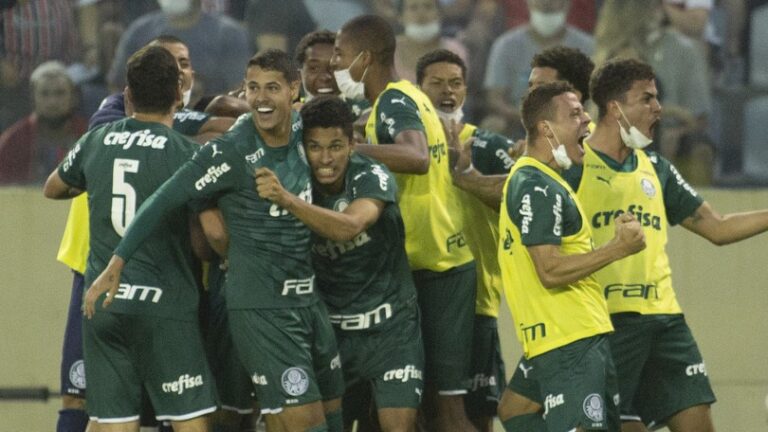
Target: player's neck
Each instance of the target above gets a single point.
(166, 119)
(277, 136)
(607, 140)
(542, 152)
(379, 80)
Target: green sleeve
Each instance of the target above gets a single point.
(533, 205)
(376, 182)
(680, 199)
(71, 167)
(211, 170)
(396, 113)
(188, 122)
(490, 153)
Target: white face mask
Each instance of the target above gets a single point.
(175, 7)
(350, 89)
(423, 32)
(560, 154)
(633, 139)
(456, 116)
(547, 24)
(186, 96)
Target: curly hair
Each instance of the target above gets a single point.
(571, 65)
(614, 79)
(327, 111)
(312, 39)
(537, 105)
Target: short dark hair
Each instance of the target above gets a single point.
(275, 60)
(153, 78)
(439, 55)
(328, 111)
(571, 65)
(537, 105)
(166, 39)
(614, 79)
(312, 39)
(373, 33)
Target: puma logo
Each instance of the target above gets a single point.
(603, 179)
(524, 369)
(540, 189)
(215, 151)
(400, 101)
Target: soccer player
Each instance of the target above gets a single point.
(73, 250)
(150, 336)
(313, 56)
(546, 258)
(661, 372)
(441, 75)
(358, 253)
(280, 328)
(406, 135)
(553, 64)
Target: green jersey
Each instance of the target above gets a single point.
(365, 281)
(189, 122)
(269, 258)
(490, 152)
(121, 165)
(541, 208)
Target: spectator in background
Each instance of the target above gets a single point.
(273, 25)
(583, 14)
(689, 17)
(31, 32)
(421, 34)
(332, 14)
(32, 147)
(219, 43)
(633, 29)
(506, 76)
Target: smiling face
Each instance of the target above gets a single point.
(269, 94)
(444, 84)
(317, 72)
(641, 107)
(181, 53)
(570, 126)
(328, 151)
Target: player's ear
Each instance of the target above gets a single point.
(295, 86)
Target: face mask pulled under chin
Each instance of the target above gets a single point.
(175, 7)
(350, 89)
(547, 24)
(422, 32)
(456, 116)
(633, 138)
(560, 154)
(186, 96)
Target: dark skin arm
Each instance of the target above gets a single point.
(409, 154)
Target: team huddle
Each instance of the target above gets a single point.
(353, 268)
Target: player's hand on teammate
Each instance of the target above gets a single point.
(107, 282)
(268, 187)
(629, 234)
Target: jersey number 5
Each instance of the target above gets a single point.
(123, 195)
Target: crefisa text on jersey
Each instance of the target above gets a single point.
(142, 138)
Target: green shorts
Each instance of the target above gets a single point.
(660, 368)
(125, 353)
(575, 384)
(290, 355)
(447, 304)
(390, 358)
(232, 380)
(487, 369)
